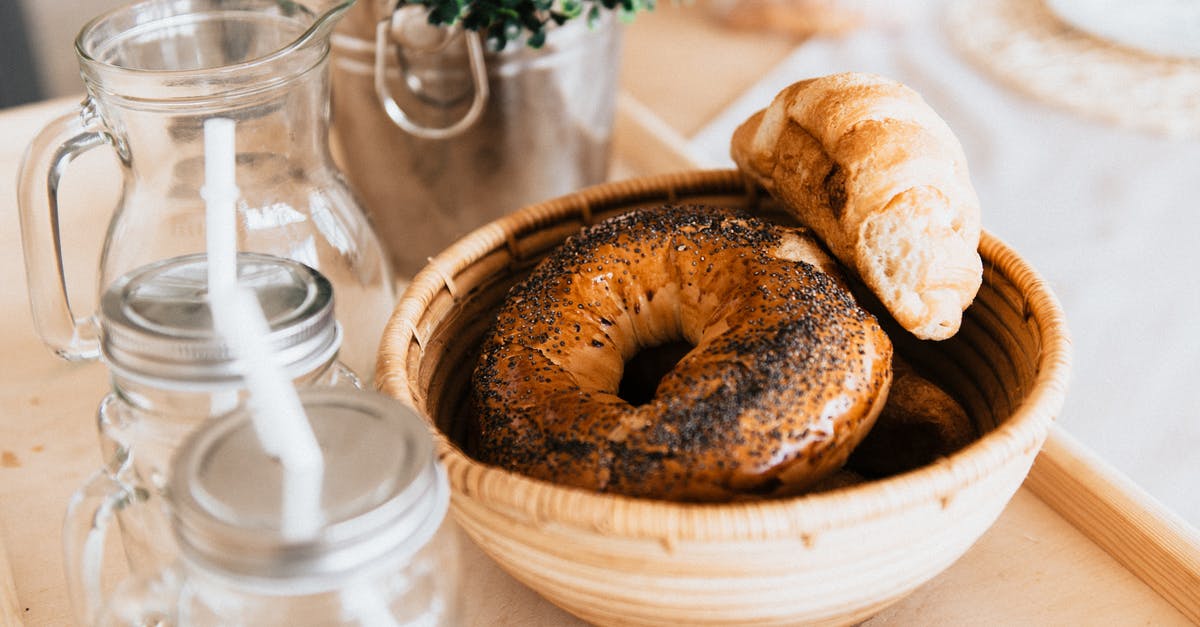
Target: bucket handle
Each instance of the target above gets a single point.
(397, 114)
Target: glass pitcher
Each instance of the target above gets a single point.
(154, 72)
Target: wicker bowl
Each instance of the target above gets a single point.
(832, 558)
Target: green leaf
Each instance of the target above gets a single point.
(571, 8)
(502, 21)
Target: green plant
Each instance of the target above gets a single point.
(508, 20)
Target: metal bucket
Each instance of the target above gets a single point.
(539, 126)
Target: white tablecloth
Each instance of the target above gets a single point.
(1110, 217)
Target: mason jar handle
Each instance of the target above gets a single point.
(396, 112)
(85, 531)
(72, 336)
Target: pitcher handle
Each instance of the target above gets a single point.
(396, 112)
(85, 530)
(46, 159)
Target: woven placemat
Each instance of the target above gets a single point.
(1026, 45)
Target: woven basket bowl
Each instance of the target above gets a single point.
(832, 558)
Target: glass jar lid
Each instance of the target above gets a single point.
(156, 323)
(382, 497)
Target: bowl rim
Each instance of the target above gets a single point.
(1020, 435)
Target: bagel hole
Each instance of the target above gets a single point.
(645, 370)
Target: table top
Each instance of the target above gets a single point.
(47, 406)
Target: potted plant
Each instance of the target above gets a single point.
(450, 113)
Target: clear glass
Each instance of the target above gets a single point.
(400, 590)
(154, 72)
(141, 425)
(382, 552)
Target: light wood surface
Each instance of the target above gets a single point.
(47, 406)
(1035, 566)
(10, 610)
(686, 68)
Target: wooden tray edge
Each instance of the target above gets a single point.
(1145, 537)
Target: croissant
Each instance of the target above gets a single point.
(881, 179)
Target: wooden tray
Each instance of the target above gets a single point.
(1078, 544)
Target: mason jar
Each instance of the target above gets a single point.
(171, 372)
(382, 553)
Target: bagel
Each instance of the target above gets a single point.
(783, 373)
(881, 179)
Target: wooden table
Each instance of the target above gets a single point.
(1077, 545)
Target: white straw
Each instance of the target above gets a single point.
(279, 420)
(220, 194)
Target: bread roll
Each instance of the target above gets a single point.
(882, 180)
(919, 423)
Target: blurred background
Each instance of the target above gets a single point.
(37, 58)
